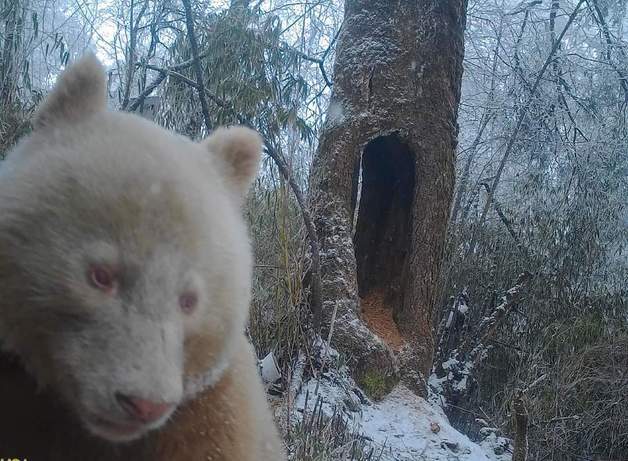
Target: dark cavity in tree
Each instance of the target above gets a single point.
(382, 234)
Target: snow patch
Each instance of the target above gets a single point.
(335, 113)
(402, 427)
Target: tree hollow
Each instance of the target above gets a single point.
(383, 193)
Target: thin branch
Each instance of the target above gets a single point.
(315, 264)
(601, 22)
(505, 221)
(320, 61)
(171, 72)
(489, 324)
(523, 113)
(189, 20)
(163, 73)
(130, 70)
(147, 92)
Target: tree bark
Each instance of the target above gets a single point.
(392, 120)
(8, 64)
(520, 415)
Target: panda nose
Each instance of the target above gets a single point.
(146, 411)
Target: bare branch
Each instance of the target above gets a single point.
(130, 64)
(189, 19)
(315, 269)
(147, 92)
(523, 113)
(601, 22)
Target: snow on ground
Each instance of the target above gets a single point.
(405, 426)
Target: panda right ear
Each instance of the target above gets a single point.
(239, 150)
(80, 91)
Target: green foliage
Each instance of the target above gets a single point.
(578, 407)
(250, 75)
(278, 310)
(575, 335)
(375, 385)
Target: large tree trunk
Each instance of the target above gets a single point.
(386, 157)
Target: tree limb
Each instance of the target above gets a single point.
(189, 20)
(489, 324)
(134, 24)
(601, 22)
(315, 268)
(147, 91)
(505, 220)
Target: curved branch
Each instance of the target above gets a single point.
(316, 295)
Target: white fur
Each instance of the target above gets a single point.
(90, 186)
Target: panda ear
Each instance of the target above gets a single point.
(239, 151)
(80, 91)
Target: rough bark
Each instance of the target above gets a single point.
(392, 116)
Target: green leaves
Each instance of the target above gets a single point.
(250, 74)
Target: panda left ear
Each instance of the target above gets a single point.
(239, 150)
(78, 93)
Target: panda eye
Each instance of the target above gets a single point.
(103, 278)
(188, 302)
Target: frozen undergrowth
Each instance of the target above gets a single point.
(401, 427)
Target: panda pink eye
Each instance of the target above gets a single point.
(188, 302)
(103, 278)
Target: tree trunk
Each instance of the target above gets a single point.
(9, 64)
(386, 155)
(520, 415)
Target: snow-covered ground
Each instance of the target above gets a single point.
(405, 426)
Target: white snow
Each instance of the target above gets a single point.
(449, 319)
(335, 113)
(402, 426)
